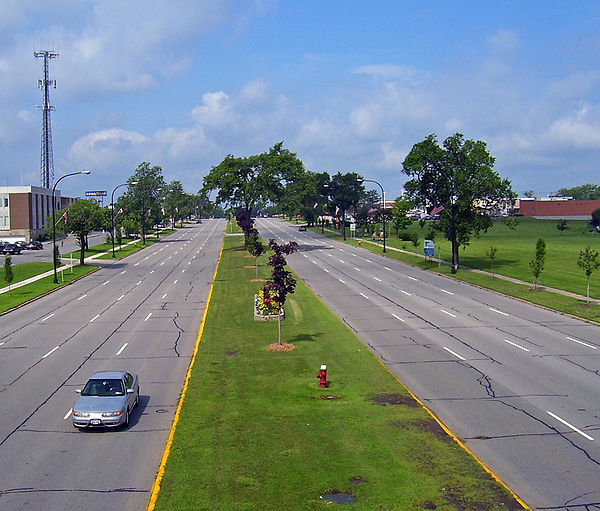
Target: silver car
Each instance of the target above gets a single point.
(106, 400)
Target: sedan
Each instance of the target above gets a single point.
(34, 245)
(106, 400)
(11, 248)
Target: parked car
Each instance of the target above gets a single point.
(11, 248)
(34, 245)
(21, 244)
(106, 400)
(302, 228)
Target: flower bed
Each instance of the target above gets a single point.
(266, 309)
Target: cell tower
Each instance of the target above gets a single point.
(47, 161)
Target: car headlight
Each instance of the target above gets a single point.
(80, 414)
(112, 414)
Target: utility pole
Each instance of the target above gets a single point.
(47, 160)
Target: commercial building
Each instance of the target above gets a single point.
(558, 208)
(25, 209)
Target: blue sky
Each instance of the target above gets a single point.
(347, 85)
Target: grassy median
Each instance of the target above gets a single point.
(257, 433)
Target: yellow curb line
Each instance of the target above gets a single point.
(455, 438)
(165, 456)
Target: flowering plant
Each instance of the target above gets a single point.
(267, 301)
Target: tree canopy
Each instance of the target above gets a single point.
(583, 192)
(458, 177)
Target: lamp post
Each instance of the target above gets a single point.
(382, 203)
(112, 203)
(54, 258)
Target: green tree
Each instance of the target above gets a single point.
(530, 194)
(143, 200)
(399, 210)
(345, 192)
(536, 265)
(459, 177)
(257, 179)
(562, 226)
(595, 221)
(80, 218)
(8, 270)
(492, 255)
(588, 262)
(583, 192)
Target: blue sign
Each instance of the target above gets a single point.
(429, 248)
(96, 193)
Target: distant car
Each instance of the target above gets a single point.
(11, 248)
(21, 244)
(302, 228)
(106, 400)
(34, 245)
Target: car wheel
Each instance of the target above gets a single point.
(137, 399)
(126, 423)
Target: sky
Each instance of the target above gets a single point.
(350, 86)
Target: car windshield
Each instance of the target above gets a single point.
(109, 387)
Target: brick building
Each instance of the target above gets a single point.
(558, 208)
(24, 210)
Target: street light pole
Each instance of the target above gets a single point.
(382, 205)
(54, 258)
(112, 203)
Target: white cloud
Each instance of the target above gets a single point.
(216, 110)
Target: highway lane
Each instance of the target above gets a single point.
(140, 314)
(516, 383)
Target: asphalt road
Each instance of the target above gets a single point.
(140, 314)
(516, 383)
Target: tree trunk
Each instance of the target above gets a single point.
(82, 249)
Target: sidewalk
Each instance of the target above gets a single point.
(58, 270)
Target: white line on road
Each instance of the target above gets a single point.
(326, 270)
(515, 345)
(499, 312)
(389, 269)
(364, 296)
(123, 272)
(136, 264)
(447, 292)
(68, 414)
(341, 281)
(368, 260)
(175, 281)
(1, 343)
(121, 350)
(341, 261)
(105, 283)
(146, 257)
(183, 271)
(407, 294)
(139, 282)
(81, 297)
(569, 425)
(357, 269)
(449, 313)
(151, 272)
(162, 263)
(48, 317)
(411, 278)
(377, 279)
(148, 316)
(94, 318)
(398, 317)
(120, 297)
(51, 351)
(164, 296)
(583, 343)
(453, 353)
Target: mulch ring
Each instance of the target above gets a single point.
(394, 399)
(280, 347)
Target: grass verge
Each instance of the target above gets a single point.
(257, 433)
(20, 295)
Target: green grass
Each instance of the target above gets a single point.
(255, 433)
(20, 295)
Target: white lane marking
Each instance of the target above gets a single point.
(48, 317)
(175, 281)
(353, 255)
(399, 318)
(329, 255)
(164, 296)
(162, 263)
(583, 343)
(183, 271)
(304, 255)
(559, 419)
(81, 297)
(341, 281)
(51, 351)
(407, 294)
(68, 414)
(121, 350)
(148, 316)
(340, 261)
(314, 262)
(123, 272)
(389, 269)
(136, 264)
(515, 345)
(94, 318)
(411, 278)
(447, 292)
(105, 283)
(368, 260)
(357, 269)
(453, 353)
(326, 270)
(364, 296)
(377, 279)
(190, 261)
(120, 297)
(449, 313)
(139, 282)
(499, 312)
(1, 343)
(151, 272)
(341, 249)
(146, 257)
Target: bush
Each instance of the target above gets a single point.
(406, 236)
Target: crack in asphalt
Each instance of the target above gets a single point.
(13, 491)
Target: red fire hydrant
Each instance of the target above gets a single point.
(322, 375)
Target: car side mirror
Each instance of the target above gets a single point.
(130, 391)
(78, 391)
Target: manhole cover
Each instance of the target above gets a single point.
(338, 497)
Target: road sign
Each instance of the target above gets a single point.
(96, 193)
(429, 248)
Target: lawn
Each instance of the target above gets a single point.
(257, 433)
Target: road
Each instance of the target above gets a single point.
(518, 384)
(140, 314)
